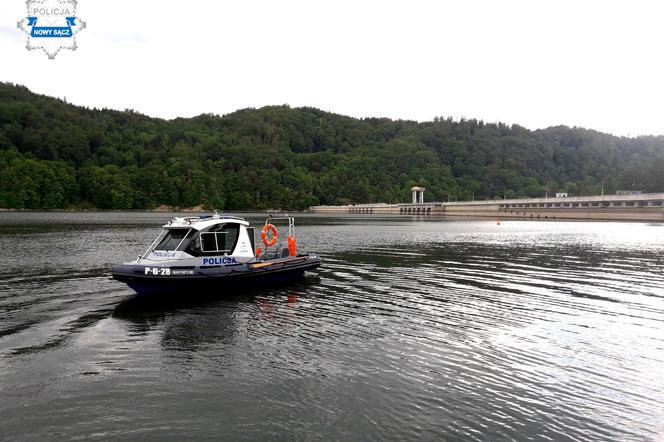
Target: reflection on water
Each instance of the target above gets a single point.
(412, 329)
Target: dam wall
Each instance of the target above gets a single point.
(642, 207)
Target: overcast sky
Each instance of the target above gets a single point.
(596, 64)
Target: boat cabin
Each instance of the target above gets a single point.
(193, 237)
(218, 239)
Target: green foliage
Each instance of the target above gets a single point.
(55, 155)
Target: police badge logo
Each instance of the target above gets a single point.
(51, 25)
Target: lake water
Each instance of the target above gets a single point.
(413, 329)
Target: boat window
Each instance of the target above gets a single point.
(252, 237)
(220, 238)
(172, 239)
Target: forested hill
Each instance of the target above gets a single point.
(56, 155)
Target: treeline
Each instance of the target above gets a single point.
(56, 155)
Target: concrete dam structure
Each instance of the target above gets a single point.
(641, 207)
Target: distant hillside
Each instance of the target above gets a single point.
(56, 155)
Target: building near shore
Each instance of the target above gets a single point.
(418, 194)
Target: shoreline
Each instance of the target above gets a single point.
(494, 218)
(157, 210)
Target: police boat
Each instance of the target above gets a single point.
(214, 252)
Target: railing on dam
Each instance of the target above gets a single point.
(647, 206)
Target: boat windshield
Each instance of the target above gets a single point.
(172, 239)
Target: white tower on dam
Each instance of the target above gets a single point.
(418, 194)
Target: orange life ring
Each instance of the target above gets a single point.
(266, 228)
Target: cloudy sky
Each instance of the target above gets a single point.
(596, 64)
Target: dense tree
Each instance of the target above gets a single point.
(54, 155)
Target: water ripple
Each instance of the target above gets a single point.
(411, 330)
